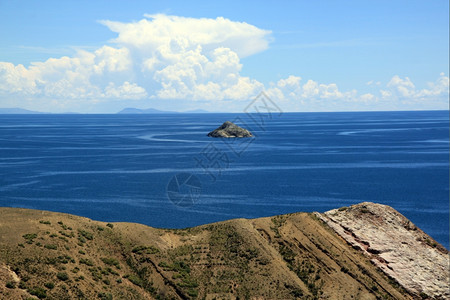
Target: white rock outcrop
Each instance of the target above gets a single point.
(395, 245)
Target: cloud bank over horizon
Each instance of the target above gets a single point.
(195, 63)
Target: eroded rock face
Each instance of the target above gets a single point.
(230, 130)
(395, 245)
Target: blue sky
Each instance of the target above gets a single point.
(307, 55)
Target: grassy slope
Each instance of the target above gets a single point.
(60, 256)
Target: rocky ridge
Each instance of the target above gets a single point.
(366, 251)
(394, 244)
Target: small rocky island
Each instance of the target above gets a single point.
(230, 130)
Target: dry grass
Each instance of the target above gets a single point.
(59, 256)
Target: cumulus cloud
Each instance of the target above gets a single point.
(398, 93)
(292, 91)
(84, 76)
(403, 89)
(164, 57)
(177, 33)
(176, 58)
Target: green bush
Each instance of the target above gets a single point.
(145, 249)
(105, 296)
(110, 225)
(11, 285)
(135, 280)
(49, 285)
(86, 234)
(29, 236)
(111, 262)
(62, 276)
(51, 247)
(38, 292)
(86, 261)
(192, 293)
(22, 285)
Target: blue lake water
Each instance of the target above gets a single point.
(118, 167)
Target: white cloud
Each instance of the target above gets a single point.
(373, 83)
(403, 89)
(125, 91)
(182, 33)
(164, 57)
(84, 76)
(367, 97)
(176, 58)
(399, 93)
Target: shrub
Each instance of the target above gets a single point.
(86, 261)
(192, 293)
(189, 283)
(86, 234)
(45, 222)
(62, 276)
(105, 296)
(135, 280)
(110, 225)
(22, 285)
(145, 249)
(29, 236)
(11, 285)
(51, 247)
(111, 262)
(49, 285)
(38, 292)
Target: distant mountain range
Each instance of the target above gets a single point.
(21, 111)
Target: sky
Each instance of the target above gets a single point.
(102, 56)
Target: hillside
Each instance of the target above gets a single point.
(302, 255)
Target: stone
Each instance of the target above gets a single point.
(230, 130)
(395, 245)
